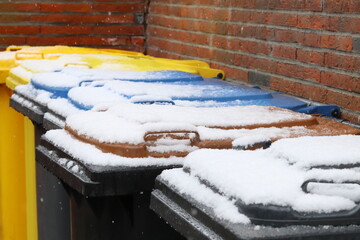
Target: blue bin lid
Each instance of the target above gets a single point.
(61, 81)
(217, 91)
(141, 76)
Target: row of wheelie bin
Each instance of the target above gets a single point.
(106, 125)
(17, 65)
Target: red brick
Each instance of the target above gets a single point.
(179, 48)
(101, 18)
(79, 40)
(178, 35)
(336, 42)
(281, 68)
(297, 71)
(68, 30)
(255, 63)
(283, 19)
(232, 72)
(341, 6)
(310, 56)
(12, 40)
(343, 24)
(345, 62)
(219, 14)
(120, 30)
(305, 5)
(66, 7)
(118, 7)
(19, 7)
(284, 51)
(312, 21)
(221, 42)
(19, 30)
(195, 2)
(309, 39)
(317, 93)
(250, 46)
(345, 100)
(222, 56)
(105, 30)
(351, 116)
(138, 41)
(341, 81)
(14, 18)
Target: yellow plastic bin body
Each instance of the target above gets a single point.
(13, 208)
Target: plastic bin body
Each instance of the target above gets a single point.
(13, 210)
(119, 210)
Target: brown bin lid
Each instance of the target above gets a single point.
(322, 127)
(179, 142)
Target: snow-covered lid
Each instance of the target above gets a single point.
(266, 177)
(113, 130)
(141, 76)
(196, 91)
(108, 128)
(237, 116)
(90, 154)
(54, 81)
(86, 97)
(316, 151)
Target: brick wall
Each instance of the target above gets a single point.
(308, 48)
(95, 23)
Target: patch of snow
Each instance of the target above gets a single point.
(62, 107)
(90, 96)
(209, 117)
(350, 191)
(186, 184)
(55, 120)
(55, 80)
(306, 152)
(21, 73)
(89, 154)
(107, 127)
(246, 136)
(7, 55)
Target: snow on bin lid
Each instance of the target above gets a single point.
(65, 79)
(250, 126)
(223, 117)
(142, 76)
(308, 152)
(54, 81)
(86, 97)
(164, 130)
(262, 177)
(190, 91)
(191, 186)
(89, 154)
